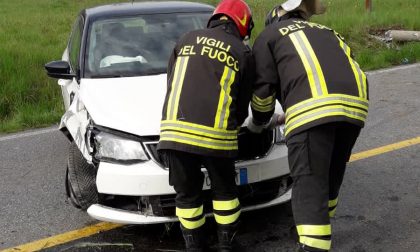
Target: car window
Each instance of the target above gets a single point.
(136, 46)
(75, 44)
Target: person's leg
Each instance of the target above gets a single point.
(346, 136)
(187, 179)
(309, 160)
(226, 206)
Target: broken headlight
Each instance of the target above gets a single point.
(110, 147)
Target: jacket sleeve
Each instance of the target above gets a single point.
(245, 91)
(264, 89)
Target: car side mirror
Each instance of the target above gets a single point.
(59, 70)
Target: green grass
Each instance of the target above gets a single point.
(350, 19)
(34, 32)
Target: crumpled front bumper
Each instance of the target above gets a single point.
(114, 215)
(148, 178)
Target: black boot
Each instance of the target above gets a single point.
(226, 235)
(194, 239)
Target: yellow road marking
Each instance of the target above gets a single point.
(104, 226)
(64, 238)
(385, 149)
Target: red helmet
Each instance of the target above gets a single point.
(239, 12)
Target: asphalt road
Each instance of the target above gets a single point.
(379, 204)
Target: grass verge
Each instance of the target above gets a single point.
(34, 32)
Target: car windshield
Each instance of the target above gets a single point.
(136, 46)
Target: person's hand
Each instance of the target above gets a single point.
(255, 128)
(276, 120)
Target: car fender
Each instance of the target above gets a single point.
(75, 121)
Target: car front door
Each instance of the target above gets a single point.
(72, 55)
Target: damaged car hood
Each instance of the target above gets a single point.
(132, 105)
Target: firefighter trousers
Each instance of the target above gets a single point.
(317, 160)
(186, 177)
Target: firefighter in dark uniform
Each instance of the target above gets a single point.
(210, 76)
(310, 70)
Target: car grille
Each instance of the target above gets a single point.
(251, 194)
(251, 146)
(151, 148)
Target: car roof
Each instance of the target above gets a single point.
(139, 8)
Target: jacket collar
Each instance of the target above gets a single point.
(227, 25)
(293, 14)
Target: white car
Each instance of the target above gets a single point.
(113, 80)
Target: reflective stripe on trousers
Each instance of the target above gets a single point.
(332, 207)
(191, 218)
(315, 236)
(226, 212)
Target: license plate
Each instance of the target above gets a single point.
(241, 177)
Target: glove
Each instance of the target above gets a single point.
(276, 120)
(254, 127)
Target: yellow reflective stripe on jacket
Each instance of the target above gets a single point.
(200, 138)
(225, 99)
(315, 243)
(169, 108)
(229, 219)
(199, 127)
(225, 205)
(192, 224)
(263, 105)
(264, 102)
(263, 109)
(358, 73)
(192, 129)
(199, 141)
(323, 101)
(333, 203)
(189, 213)
(327, 111)
(306, 102)
(314, 230)
(226, 110)
(310, 61)
(176, 88)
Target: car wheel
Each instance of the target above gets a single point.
(80, 180)
(70, 193)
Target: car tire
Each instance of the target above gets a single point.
(80, 180)
(69, 191)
